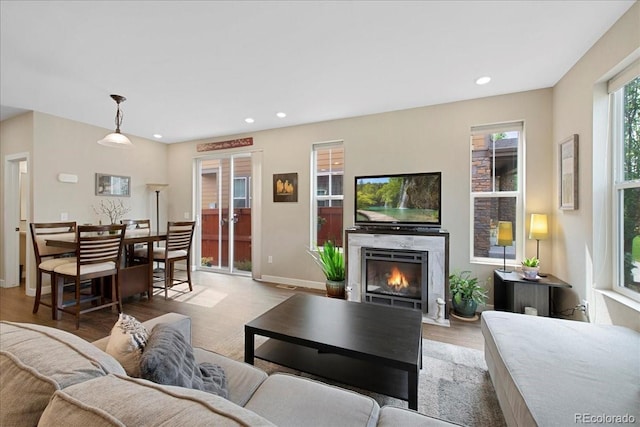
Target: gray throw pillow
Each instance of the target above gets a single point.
(168, 359)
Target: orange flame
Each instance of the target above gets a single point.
(397, 279)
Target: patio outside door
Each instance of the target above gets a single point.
(224, 193)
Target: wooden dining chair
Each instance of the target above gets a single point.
(50, 257)
(98, 249)
(177, 248)
(135, 227)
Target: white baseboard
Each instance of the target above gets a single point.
(293, 282)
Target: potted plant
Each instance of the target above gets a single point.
(331, 259)
(530, 268)
(466, 293)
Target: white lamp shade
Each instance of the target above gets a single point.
(505, 233)
(538, 229)
(116, 140)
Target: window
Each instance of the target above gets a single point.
(625, 127)
(328, 194)
(496, 195)
(241, 192)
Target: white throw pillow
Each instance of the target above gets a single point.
(126, 343)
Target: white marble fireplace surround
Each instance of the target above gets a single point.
(435, 244)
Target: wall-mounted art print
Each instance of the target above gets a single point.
(113, 185)
(568, 176)
(285, 187)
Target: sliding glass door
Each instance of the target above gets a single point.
(224, 196)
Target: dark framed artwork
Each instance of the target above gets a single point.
(285, 187)
(113, 185)
(568, 175)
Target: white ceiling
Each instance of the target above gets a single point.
(197, 69)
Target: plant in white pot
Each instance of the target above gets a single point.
(331, 260)
(530, 268)
(466, 294)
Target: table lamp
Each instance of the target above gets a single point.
(538, 230)
(505, 238)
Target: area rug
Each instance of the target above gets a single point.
(454, 385)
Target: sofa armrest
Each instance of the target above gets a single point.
(179, 321)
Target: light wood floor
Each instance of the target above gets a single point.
(219, 306)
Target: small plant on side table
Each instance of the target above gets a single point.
(530, 268)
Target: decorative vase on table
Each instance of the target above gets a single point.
(530, 273)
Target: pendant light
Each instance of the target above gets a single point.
(116, 139)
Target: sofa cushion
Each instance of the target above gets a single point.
(36, 361)
(126, 343)
(119, 400)
(583, 368)
(242, 379)
(178, 321)
(302, 401)
(168, 359)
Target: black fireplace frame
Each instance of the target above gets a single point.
(396, 255)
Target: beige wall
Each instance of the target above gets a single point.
(422, 139)
(582, 238)
(57, 145)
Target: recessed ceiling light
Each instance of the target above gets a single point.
(249, 120)
(157, 136)
(281, 115)
(483, 80)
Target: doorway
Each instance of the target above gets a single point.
(16, 212)
(224, 198)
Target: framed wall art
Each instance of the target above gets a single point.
(568, 176)
(113, 185)
(285, 187)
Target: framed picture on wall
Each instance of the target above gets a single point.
(285, 187)
(113, 185)
(568, 176)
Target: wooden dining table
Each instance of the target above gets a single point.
(134, 278)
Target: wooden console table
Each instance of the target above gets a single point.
(512, 292)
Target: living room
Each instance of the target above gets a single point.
(431, 138)
(439, 134)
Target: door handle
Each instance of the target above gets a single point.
(17, 228)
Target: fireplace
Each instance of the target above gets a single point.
(395, 277)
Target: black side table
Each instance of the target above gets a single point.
(512, 292)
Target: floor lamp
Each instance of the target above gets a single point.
(538, 230)
(505, 238)
(157, 188)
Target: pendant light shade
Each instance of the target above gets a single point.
(117, 139)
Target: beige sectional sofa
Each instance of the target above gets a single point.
(50, 377)
(555, 372)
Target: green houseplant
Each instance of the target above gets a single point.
(530, 268)
(466, 293)
(331, 260)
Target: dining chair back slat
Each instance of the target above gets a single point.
(49, 257)
(98, 251)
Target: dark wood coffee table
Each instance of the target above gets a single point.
(374, 347)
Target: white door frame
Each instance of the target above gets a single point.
(12, 218)
(256, 207)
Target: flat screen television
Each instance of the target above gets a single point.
(403, 200)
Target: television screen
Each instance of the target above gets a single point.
(409, 200)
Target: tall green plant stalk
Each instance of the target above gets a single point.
(331, 260)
